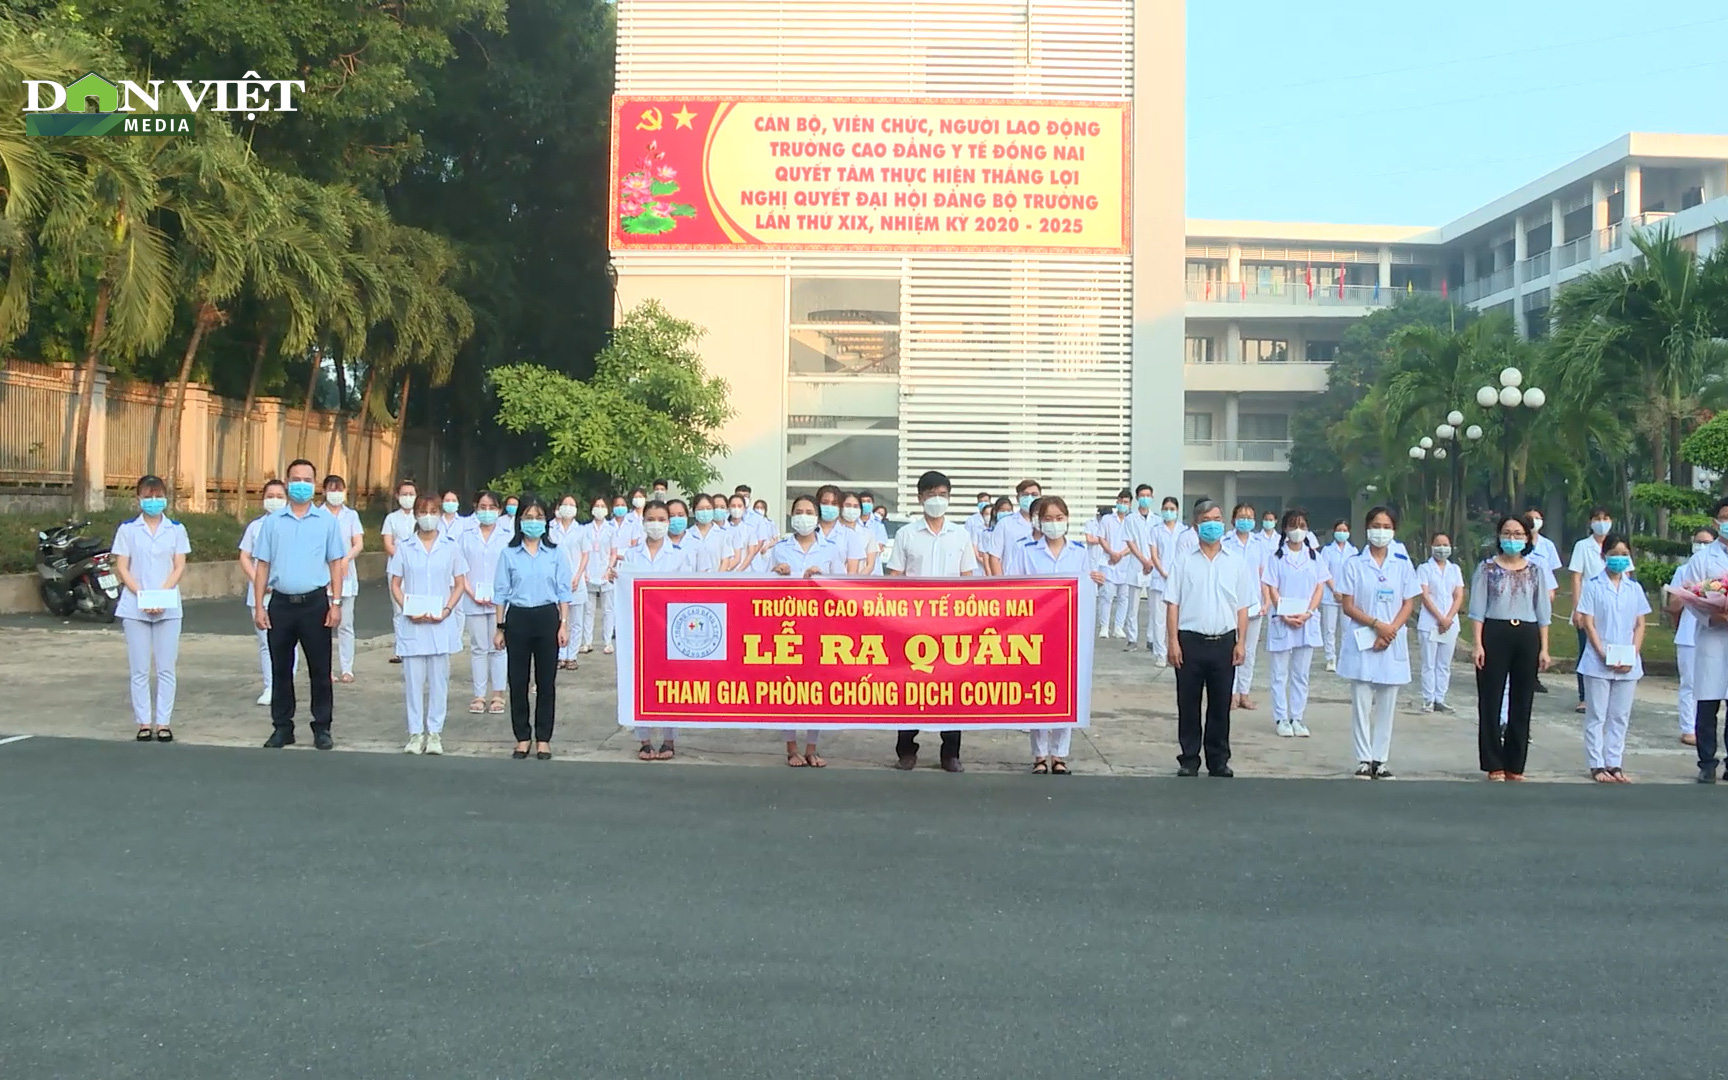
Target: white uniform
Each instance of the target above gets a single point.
(152, 641)
(425, 648)
(1167, 538)
(1140, 525)
(349, 526)
(849, 541)
(1710, 643)
(1117, 598)
(596, 538)
(672, 558)
(248, 541)
(827, 554)
(1292, 576)
(1438, 581)
(486, 665)
(1378, 591)
(400, 525)
(1254, 551)
(878, 531)
(1616, 607)
(1034, 559)
(1334, 555)
(714, 546)
(870, 550)
(566, 537)
(1685, 642)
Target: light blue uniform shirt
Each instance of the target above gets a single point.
(152, 560)
(825, 555)
(525, 580)
(299, 549)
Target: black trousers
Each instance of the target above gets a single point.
(300, 626)
(1705, 730)
(907, 743)
(1583, 643)
(531, 643)
(1206, 671)
(1512, 654)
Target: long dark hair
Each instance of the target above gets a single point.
(524, 504)
(1291, 515)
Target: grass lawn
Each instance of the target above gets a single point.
(215, 537)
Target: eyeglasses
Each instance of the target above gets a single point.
(1513, 536)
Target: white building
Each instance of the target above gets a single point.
(1266, 304)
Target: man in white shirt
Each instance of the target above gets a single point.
(931, 547)
(1207, 601)
(398, 528)
(975, 525)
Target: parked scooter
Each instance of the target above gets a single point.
(76, 572)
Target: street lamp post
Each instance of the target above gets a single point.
(1510, 395)
(1419, 454)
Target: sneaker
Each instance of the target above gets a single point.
(1285, 731)
(264, 698)
(1381, 772)
(1364, 771)
(1119, 634)
(434, 743)
(416, 745)
(1299, 729)
(1130, 647)
(1331, 665)
(1104, 634)
(1442, 707)
(1427, 706)
(1161, 662)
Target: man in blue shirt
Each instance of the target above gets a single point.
(299, 557)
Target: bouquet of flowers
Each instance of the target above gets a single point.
(1705, 598)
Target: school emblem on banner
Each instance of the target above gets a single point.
(696, 632)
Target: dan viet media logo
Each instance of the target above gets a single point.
(129, 108)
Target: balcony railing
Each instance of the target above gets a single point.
(1294, 294)
(1573, 252)
(1272, 451)
(1536, 266)
(1498, 281)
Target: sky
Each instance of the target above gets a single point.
(1417, 113)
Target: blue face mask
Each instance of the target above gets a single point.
(677, 524)
(1144, 502)
(1341, 536)
(619, 511)
(152, 505)
(1211, 531)
(510, 510)
(1167, 515)
(829, 513)
(1026, 502)
(1619, 564)
(486, 517)
(1121, 509)
(1512, 547)
(870, 507)
(1244, 525)
(533, 528)
(300, 491)
(983, 506)
(704, 517)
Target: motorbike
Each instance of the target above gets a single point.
(76, 573)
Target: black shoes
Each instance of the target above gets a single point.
(1540, 689)
(279, 739)
(1187, 770)
(323, 741)
(1706, 774)
(1223, 772)
(952, 764)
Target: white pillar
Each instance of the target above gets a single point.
(1520, 239)
(1233, 343)
(1295, 339)
(1385, 278)
(1715, 181)
(94, 497)
(1634, 192)
(1233, 269)
(1232, 423)
(1229, 503)
(1556, 231)
(1598, 204)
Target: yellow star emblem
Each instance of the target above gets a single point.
(684, 116)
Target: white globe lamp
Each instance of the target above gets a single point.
(1446, 431)
(1535, 398)
(1511, 377)
(1510, 397)
(1487, 397)
(1417, 453)
(1455, 418)
(1473, 432)
(1440, 453)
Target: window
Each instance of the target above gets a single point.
(1265, 351)
(842, 458)
(845, 326)
(1259, 427)
(1197, 427)
(1197, 350)
(1322, 352)
(1269, 279)
(1418, 278)
(1201, 272)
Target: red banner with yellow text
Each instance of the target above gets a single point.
(854, 652)
(877, 174)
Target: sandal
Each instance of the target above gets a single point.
(795, 761)
(815, 761)
(164, 735)
(665, 753)
(395, 659)
(1619, 776)
(645, 752)
(1602, 776)
(144, 735)
(497, 706)
(477, 706)
(1040, 768)
(346, 677)
(1058, 768)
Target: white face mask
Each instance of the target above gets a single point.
(1442, 552)
(736, 513)
(335, 498)
(803, 524)
(427, 522)
(936, 506)
(638, 502)
(1696, 548)
(849, 513)
(1055, 530)
(655, 530)
(566, 513)
(1297, 536)
(1536, 524)
(406, 502)
(598, 512)
(274, 504)
(1379, 537)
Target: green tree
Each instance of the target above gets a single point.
(649, 412)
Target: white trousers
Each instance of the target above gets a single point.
(1115, 602)
(792, 736)
(1157, 613)
(1290, 682)
(152, 647)
(1372, 707)
(1052, 741)
(1436, 667)
(486, 665)
(1245, 673)
(427, 679)
(264, 653)
(1329, 630)
(599, 604)
(1607, 715)
(1684, 655)
(646, 734)
(345, 638)
(578, 617)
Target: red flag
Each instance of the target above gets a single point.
(1208, 288)
(1442, 288)
(1244, 289)
(1309, 274)
(1340, 283)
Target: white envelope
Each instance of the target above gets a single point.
(483, 592)
(159, 600)
(1451, 635)
(1621, 656)
(1365, 638)
(422, 605)
(1292, 606)
(1254, 610)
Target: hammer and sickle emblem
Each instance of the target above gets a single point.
(650, 120)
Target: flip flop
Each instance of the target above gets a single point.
(645, 752)
(164, 735)
(496, 708)
(144, 735)
(477, 706)
(795, 761)
(1058, 768)
(815, 761)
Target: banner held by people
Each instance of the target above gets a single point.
(854, 653)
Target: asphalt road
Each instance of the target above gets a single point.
(226, 616)
(184, 912)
